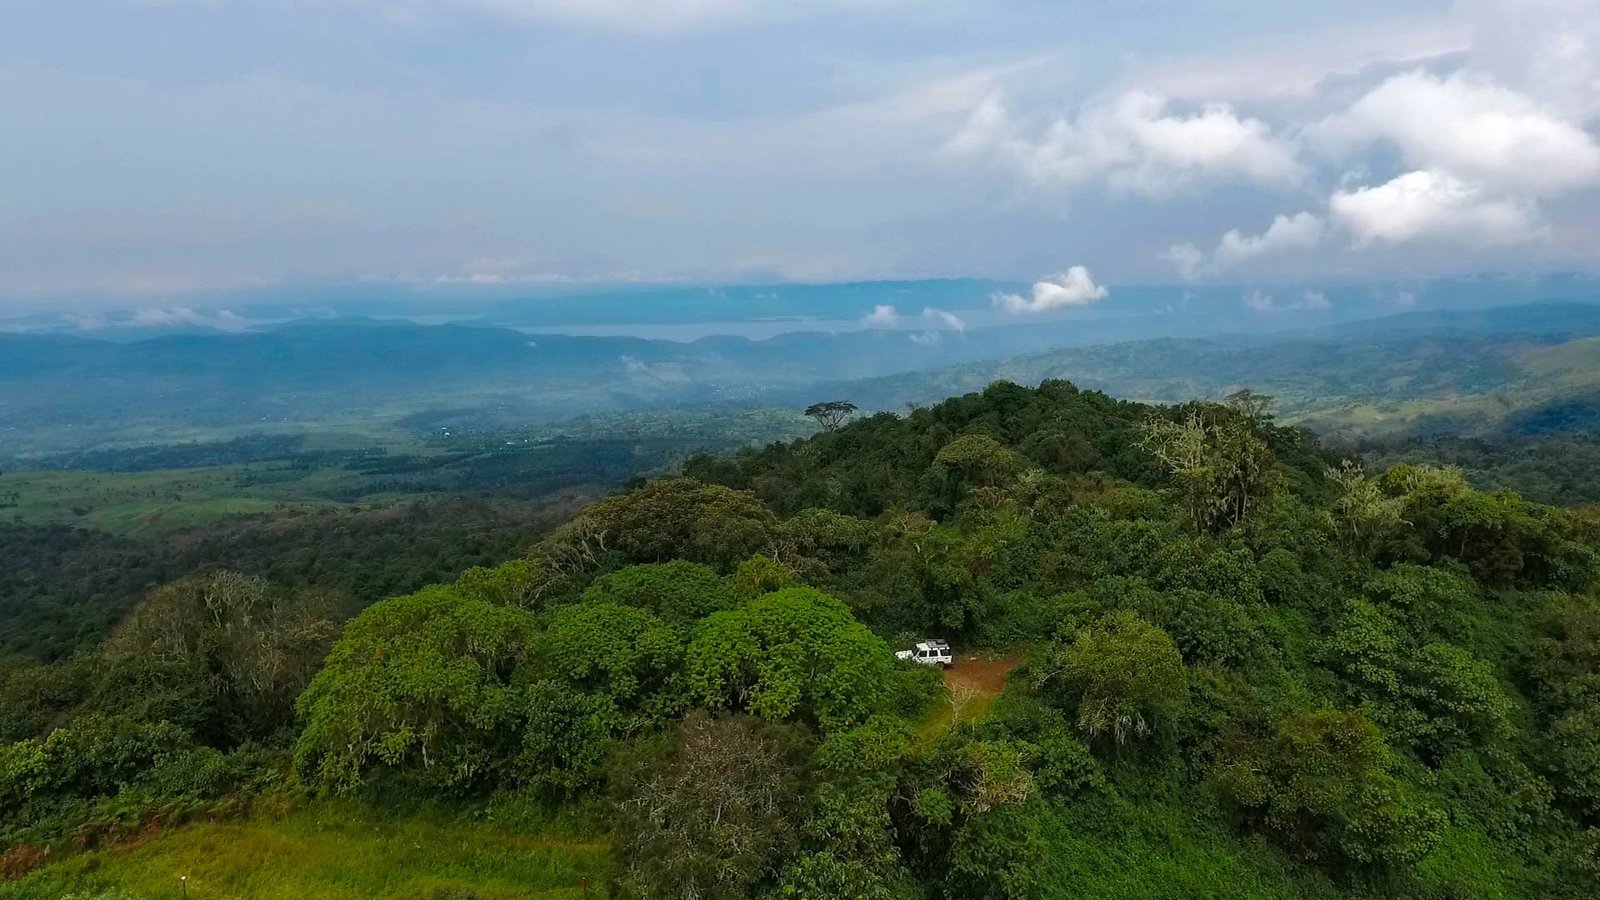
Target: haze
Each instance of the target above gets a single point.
(174, 154)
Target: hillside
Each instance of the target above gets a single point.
(377, 380)
(1247, 671)
(1511, 394)
(1438, 370)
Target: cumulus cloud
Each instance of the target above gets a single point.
(944, 318)
(1133, 142)
(1260, 302)
(1074, 287)
(1473, 128)
(1301, 231)
(1431, 205)
(882, 316)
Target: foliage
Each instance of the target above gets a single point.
(712, 815)
(830, 414)
(669, 519)
(1323, 785)
(1123, 676)
(1221, 468)
(1338, 684)
(676, 591)
(793, 654)
(253, 650)
(623, 654)
(422, 684)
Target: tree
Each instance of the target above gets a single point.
(1322, 785)
(1220, 467)
(1364, 513)
(1124, 675)
(1256, 408)
(676, 591)
(794, 653)
(830, 414)
(527, 583)
(667, 519)
(621, 653)
(761, 575)
(251, 647)
(423, 684)
(1576, 739)
(980, 460)
(713, 815)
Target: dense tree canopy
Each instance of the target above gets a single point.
(1249, 668)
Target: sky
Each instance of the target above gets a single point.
(154, 150)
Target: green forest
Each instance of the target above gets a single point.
(1230, 661)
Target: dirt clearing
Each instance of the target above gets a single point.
(985, 677)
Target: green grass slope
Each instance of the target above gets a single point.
(332, 851)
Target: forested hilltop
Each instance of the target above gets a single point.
(1244, 668)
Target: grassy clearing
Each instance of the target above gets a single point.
(140, 502)
(972, 684)
(333, 850)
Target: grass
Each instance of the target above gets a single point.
(973, 682)
(330, 851)
(139, 502)
(1574, 356)
(1115, 847)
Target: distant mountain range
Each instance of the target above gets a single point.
(69, 392)
(1524, 369)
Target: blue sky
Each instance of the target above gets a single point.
(162, 149)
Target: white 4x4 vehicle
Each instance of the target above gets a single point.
(930, 653)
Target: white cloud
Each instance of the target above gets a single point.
(1074, 287)
(222, 319)
(1187, 258)
(1549, 49)
(1431, 205)
(1260, 302)
(1131, 142)
(1473, 128)
(882, 316)
(1297, 232)
(946, 319)
(1301, 231)
(1309, 301)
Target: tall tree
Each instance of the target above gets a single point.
(830, 414)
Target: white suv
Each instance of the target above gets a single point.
(930, 653)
